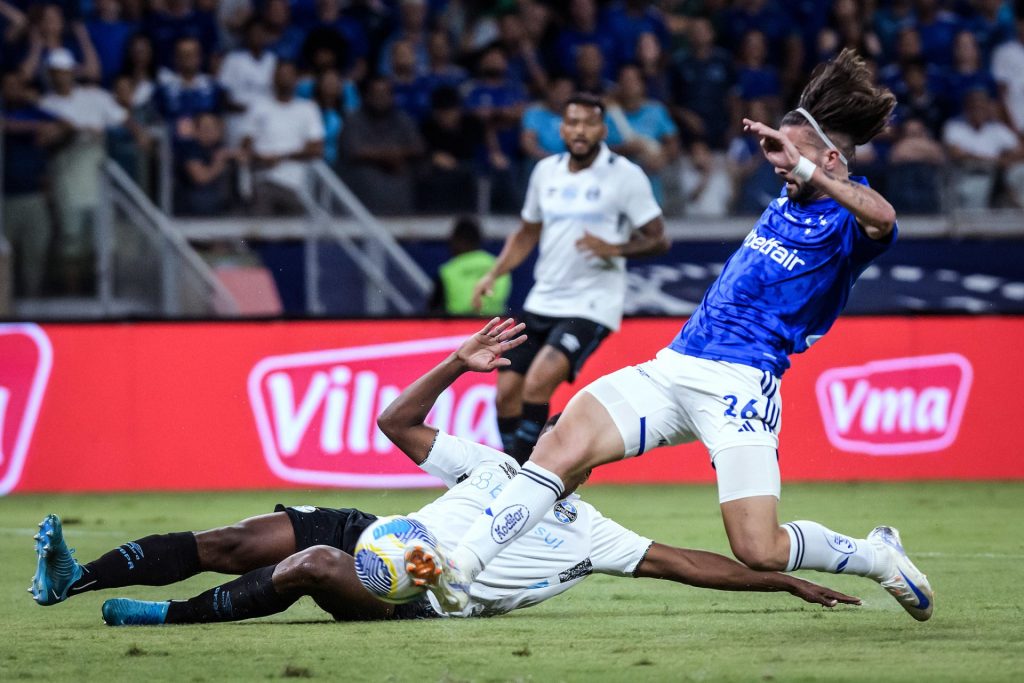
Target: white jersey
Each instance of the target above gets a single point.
(608, 199)
(572, 541)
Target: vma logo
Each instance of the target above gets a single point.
(26, 357)
(900, 406)
(316, 413)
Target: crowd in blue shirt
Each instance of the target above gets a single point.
(702, 64)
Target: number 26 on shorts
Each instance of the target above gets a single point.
(748, 412)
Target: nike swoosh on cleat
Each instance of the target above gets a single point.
(83, 586)
(922, 600)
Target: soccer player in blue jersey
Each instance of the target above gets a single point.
(718, 381)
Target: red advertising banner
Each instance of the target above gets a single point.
(248, 405)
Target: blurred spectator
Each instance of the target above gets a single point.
(705, 181)
(131, 144)
(171, 21)
(627, 20)
(29, 133)
(441, 70)
(498, 103)
(583, 29)
(411, 93)
(785, 44)
(981, 147)
(641, 129)
(284, 38)
(349, 33)
(913, 182)
(247, 76)
(888, 22)
(456, 278)
(1008, 71)
(13, 24)
(542, 120)
(521, 54)
(967, 73)
(848, 29)
(453, 141)
(204, 170)
(329, 95)
(281, 134)
(907, 50)
(756, 80)
(917, 98)
(412, 27)
(140, 66)
(703, 79)
(47, 33)
(187, 92)
(937, 28)
(991, 22)
(754, 181)
(653, 63)
(90, 111)
(378, 147)
(590, 70)
(110, 33)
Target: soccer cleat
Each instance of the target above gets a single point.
(56, 569)
(428, 567)
(903, 581)
(128, 612)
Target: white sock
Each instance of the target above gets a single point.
(517, 509)
(812, 546)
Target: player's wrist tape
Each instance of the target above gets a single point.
(804, 169)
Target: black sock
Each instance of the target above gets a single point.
(534, 417)
(250, 595)
(150, 561)
(507, 427)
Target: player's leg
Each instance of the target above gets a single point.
(566, 347)
(749, 489)
(508, 403)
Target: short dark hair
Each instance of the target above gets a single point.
(585, 99)
(445, 97)
(467, 231)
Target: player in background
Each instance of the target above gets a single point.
(587, 209)
(308, 551)
(718, 381)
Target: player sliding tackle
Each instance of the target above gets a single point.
(718, 381)
(308, 551)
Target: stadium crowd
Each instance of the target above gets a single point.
(412, 102)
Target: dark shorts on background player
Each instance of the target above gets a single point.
(575, 338)
(340, 528)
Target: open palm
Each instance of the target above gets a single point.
(483, 351)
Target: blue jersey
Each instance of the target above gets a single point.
(784, 286)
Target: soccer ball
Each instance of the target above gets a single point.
(380, 557)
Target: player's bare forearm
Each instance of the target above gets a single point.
(403, 420)
(710, 570)
(517, 247)
(871, 209)
(649, 240)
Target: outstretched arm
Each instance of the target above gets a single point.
(402, 421)
(517, 247)
(710, 570)
(871, 209)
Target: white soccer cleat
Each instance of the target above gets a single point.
(428, 567)
(903, 581)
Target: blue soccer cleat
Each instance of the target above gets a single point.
(128, 612)
(903, 580)
(56, 569)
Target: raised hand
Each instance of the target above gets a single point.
(778, 149)
(483, 351)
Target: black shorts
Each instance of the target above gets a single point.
(340, 528)
(575, 338)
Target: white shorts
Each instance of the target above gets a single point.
(676, 399)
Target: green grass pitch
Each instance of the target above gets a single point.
(966, 537)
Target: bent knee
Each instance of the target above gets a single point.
(311, 567)
(759, 556)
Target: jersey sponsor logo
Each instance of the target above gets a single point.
(316, 412)
(773, 249)
(26, 357)
(565, 512)
(569, 192)
(584, 568)
(899, 406)
(509, 523)
(593, 193)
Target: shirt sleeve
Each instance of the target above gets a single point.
(113, 113)
(451, 457)
(639, 204)
(665, 124)
(315, 125)
(531, 212)
(614, 549)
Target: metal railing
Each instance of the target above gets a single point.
(125, 264)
